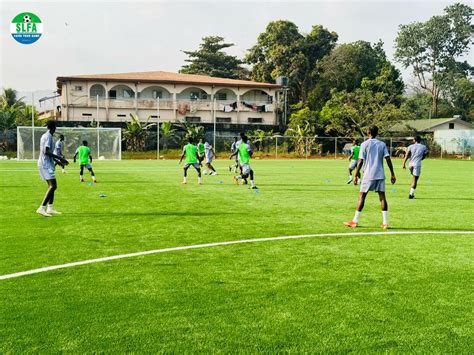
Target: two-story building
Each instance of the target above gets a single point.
(174, 97)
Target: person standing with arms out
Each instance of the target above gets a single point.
(245, 152)
(190, 151)
(371, 156)
(85, 159)
(46, 166)
(353, 159)
(416, 153)
(59, 149)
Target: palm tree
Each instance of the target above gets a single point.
(135, 133)
(9, 98)
(7, 121)
(300, 136)
(193, 131)
(167, 133)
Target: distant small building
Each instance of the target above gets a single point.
(452, 134)
(182, 98)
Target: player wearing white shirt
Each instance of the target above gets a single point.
(416, 152)
(233, 149)
(46, 166)
(59, 150)
(209, 155)
(371, 156)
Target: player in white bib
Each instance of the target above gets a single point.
(416, 153)
(209, 155)
(46, 166)
(59, 150)
(371, 156)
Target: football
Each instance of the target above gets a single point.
(26, 18)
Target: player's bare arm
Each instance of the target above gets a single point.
(393, 179)
(408, 155)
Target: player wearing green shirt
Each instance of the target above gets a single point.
(85, 160)
(190, 151)
(244, 151)
(353, 159)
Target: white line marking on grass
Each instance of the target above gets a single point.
(208, 245)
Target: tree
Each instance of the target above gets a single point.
(134, 134)
(281, 50)
(302, 137)
(432, 49)
(347, 65)
(8, 117)
(24, 116)
(351, 113)
(210, 59)
(9, 98)
(167, 133)
(192, 131)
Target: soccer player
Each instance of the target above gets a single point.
(46, 166)
(233, 149)
(353, 159)
(209, 153)
(190, 151)
(59, 149)
(416, 152)
(85, 159)
(371, 156)
(201, 151)
(245, 152)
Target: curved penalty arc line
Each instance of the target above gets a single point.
(215, 244)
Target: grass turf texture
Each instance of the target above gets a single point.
(359, 293)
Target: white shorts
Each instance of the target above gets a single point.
(246, 169)
(352, 164)
(415, 170)
(47, 173)
(209, 159)
(372, 185)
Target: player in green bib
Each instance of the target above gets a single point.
(190, 152)
(201, 149)
(244, 152)
(83, 153)
(353, 159)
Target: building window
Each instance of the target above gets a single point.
(223, 119)
(222, 96)
(121, 115)
(269, 99)
(451, 126)
(255, 120)
(153, 116)
(157, 94)
(87, 114)
(78, 88)
(113, 94)
(193, 119)
(194, 95)
(128, 94)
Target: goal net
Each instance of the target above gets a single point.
(105, 143)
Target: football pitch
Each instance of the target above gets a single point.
(408, 289)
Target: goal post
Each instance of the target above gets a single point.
(105, 143)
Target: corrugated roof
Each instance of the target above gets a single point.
(169, 78)
(424, 125)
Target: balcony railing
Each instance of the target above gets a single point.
(183, 106)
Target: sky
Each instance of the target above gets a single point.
(87, 37)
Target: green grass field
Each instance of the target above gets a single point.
(364, 293)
